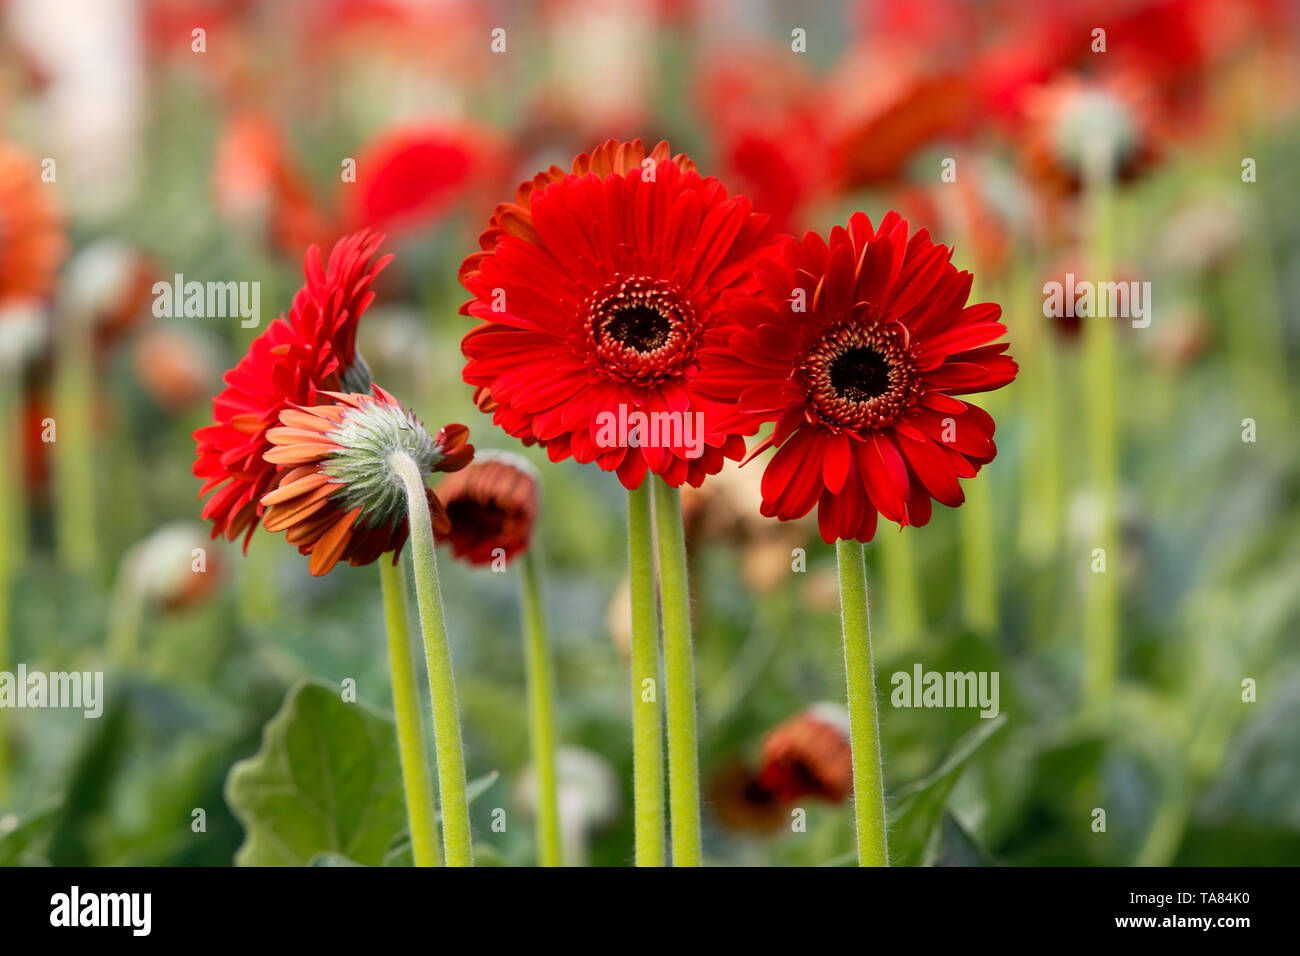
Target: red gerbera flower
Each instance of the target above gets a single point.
(492, 506)
(597, 290)
(856, 349)
(313, 349)
(340, 499)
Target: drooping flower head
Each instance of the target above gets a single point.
(338, 498)
(809, 755)
(492, 505)
(313, 349)
(597, 290)
(857, 349)
(1076, 129)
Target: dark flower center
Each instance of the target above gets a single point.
(860, 379)
(639, 331)
(860, 374)
(639, 327)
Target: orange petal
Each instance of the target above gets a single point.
(292, 489)
(298, 453)
(296, 418)
(279, 517)
(330, 548)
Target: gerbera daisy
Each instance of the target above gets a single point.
(809, 755)
(313, 349)
(492, 505)
(597, 290)
(857, 349)
(339, 499)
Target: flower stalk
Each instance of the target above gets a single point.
(442, 684)
(416, 782)
(541, 711)
(1101, 384)
(679, 673)
(864, 721)
(647, 726)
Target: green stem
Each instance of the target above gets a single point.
(12, 538)
(256, 594)
(647, 727)
(73, 452)
(979, 580)
(679, 678)
(864, 723)
(442, 684)
(416, 781)
(978, 558)
(541, 711)
(126, 614)
(902, 590)
(1101, 383)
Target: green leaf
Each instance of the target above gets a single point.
(957, 847)
(22, 843)
(327, 780)
(919, 807)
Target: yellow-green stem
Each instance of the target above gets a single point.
(453, 798)
(417, 784)
(541, 711)
(679, 678)
(902, 590)
(647, 725)
(978, 558)
(12, 541)
(864, 722)
(125, 615)
(978, 565)
(1101, 383)
(75, 470)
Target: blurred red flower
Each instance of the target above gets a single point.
(407, 178)
(32, 243)
(256, 182)
(808, 755)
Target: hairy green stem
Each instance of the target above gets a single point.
(541, 711)
(679, 678)
(454, 800)
(864, 722)
(647, 725)
(416, 781)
